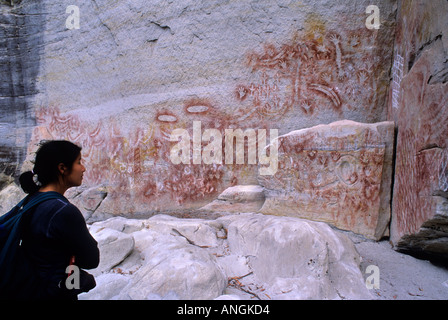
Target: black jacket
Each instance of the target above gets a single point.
(54, 231)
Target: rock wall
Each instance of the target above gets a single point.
(21, 43)
(135, 71)
(419, 107)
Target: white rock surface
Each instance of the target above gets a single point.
(297, 259)
(114, 247)
(237, 199)
(242, 256)
(9, 197)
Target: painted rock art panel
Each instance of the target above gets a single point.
(334, 74)
(419, 107)
(135, 169)
(338, 173)
(138, 70)
(422, 157)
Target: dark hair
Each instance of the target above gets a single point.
(48, 157)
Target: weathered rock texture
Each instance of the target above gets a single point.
(247, 256)
(339, 173)
(136, 70)
(420, 110)
(21, 43)
(9, 197)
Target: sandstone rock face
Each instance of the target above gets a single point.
(9, 197)
(134, 71)
(339, 173)
(21, 42)
(88, 200)
(420, 110)
(243, 256)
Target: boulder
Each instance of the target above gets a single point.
(122, 224)
(172, 261)
(340, 173)
(111, 285)
(114, 247)
(242, 256)
(198, 232)
(87, 200)
(297, 259)
(245, 198)
(176, 269)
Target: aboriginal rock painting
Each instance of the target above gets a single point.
(311, 76)
(422, 155)
(419, 106)
(421, 175)
(332, 73)
(339, 184)
(137, 166)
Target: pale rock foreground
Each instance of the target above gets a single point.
(246, 256)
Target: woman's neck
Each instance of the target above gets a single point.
(54, 187)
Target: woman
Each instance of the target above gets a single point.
(55, 232)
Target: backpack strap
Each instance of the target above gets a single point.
(27, 203)
(41, 197)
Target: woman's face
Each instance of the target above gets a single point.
(74, 177)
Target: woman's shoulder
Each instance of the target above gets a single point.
(64, 213)
(55, 203)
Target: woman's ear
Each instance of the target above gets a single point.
(62, 168)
